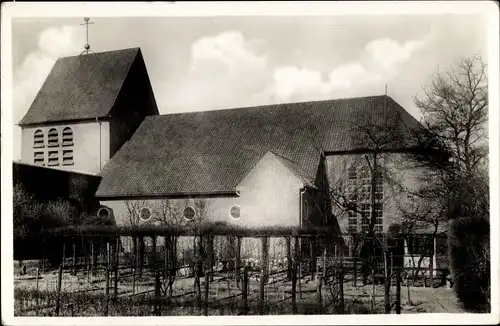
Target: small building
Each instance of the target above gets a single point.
(71, 193)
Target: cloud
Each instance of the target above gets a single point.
(386, 54)
(225, 70)
(378, 63)
(30, 75)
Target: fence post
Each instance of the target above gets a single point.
(300, 279)
(37, 292)
(355, 270)
(263, 274)
(319, 296)
(64, 252)
(207, 286)
(74, 255)
(312, 248)
(115, 267)
(197, 285)
(43, 256)
(92, 257)
(140, 254)
(237, 260)
(106, 298)
(59, 286)
(341, 289)
(289, 257)
(294, 277)
(157, 292)
(324, 264)
(211, 257)
(387, 286)
(398, 291)
(245, 290)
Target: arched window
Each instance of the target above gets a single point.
(38, 141)
(67, 137)
(189, 213)
(53, 138)
(67, 143)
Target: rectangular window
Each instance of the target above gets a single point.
(53, 158)
(68, 157)
(378, 229)
(351, 193)
(365, 193)
(365, 210)
(352, 229)
(379, 210)
(39, 158)
(352, 174)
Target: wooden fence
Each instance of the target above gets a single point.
(308, 281)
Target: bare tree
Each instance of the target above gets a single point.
(455, 110)
(455, 113)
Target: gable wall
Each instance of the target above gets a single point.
(90, 149)
(399, 172)
(135, 101)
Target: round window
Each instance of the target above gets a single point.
(103, 212)
(145, 213)
(234, 212)
(189, 213)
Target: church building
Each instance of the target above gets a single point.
(272, 165)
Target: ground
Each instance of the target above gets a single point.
(84, 295)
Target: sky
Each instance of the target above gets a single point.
(206, 63)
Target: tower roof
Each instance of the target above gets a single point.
(81, 87)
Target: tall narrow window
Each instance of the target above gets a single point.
(67, 137)
(53, 158)
(359, 191)
(39, 158)
(53, 138)
(38, 141)
(379, 215)
(67, 143)
(353, 219)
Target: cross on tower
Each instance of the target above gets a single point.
(87, 22)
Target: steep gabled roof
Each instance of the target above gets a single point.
(210, 152)
(81, 87)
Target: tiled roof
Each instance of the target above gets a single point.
(210, 152)
(81, 87)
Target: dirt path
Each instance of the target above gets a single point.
(430, 300)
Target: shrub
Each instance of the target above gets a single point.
(469, 250)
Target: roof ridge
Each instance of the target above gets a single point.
(277, 105)
(281, 156)
(137, 48)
